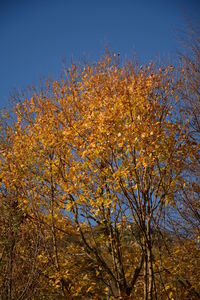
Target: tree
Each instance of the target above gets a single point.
(191, 110)
(184, 218)
(97, 157)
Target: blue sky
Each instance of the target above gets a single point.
(36, 36)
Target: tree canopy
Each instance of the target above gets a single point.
(99, 186)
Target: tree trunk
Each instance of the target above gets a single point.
(149, 261)
(145, 274)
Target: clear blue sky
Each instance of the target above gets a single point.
(35, 36)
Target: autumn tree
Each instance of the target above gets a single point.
(97, 159)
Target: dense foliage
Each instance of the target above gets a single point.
(99, 193)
